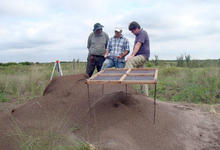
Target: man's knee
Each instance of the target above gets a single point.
(129, 64)
(121, 65)
(106, 64)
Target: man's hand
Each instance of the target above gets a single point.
(106, 54)
(129, 57)
(120, 57)
(136, 49)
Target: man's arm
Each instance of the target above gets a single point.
(107, 40)
(109, 47)
(124, 54)
(106, 53)
(126, 47)
(136, 49)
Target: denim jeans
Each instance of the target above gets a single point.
(113, 62)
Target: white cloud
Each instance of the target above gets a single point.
(42, 30)
(22, 8)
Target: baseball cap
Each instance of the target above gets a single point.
(118, 29)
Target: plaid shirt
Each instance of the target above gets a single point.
(117, 47)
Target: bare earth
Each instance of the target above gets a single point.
(115, 122)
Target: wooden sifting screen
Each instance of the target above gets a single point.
(125, 76)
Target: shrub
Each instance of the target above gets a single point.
(25, 63)
(180, 61)
(8, 64)
(187, 58)
(156, 60)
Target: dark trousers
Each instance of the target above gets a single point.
(94, 61)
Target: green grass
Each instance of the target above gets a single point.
(197, 83)
(3, 97)
(49, 141)
(46, 140)
(24, 82)
(30, 142)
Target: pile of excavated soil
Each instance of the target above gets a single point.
(113, 120)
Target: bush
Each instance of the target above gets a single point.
(8, 64)
(188, 61)
(180, 61)
(156, 60)
(25, 63)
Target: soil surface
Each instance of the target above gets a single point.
(109, 119)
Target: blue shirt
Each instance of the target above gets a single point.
(117, 46)
(144, 50)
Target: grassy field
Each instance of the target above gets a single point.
(196, 82)
(22, 82)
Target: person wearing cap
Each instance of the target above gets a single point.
(141, 50)
(96, 44)
(117, 49)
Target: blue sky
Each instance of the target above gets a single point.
(47, 30)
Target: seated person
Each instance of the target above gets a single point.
(117, 49)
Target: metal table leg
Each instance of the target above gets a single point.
(126, 89)
(155, 93)
(102, 89)
(88, 97)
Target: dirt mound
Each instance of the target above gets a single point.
(113, 120)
